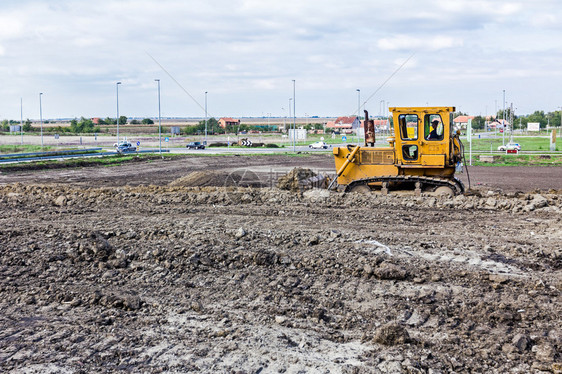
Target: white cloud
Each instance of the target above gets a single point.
(417, 43)
(481, 7)
(10, 27)
(544, 20)
(250, 50)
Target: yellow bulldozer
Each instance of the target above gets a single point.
(422, 155)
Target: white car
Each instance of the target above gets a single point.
(124, 147)
(318, 145)
(509, 146)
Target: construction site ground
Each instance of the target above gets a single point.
(201, 264)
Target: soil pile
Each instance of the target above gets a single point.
(294, 179)
(203, 179)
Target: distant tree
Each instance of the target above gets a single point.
(27, 126)
(553, 118)
(85, 125)
(147, 121)
(191, 130)
(213, 126)
(135, 122)
(110, 121)
(122, 120)
(60, 129)
(478, 122)
(240, 128)
(538, 116)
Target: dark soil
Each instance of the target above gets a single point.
(159, 171)
(122, 269)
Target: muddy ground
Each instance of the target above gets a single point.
(134, 269)
(268, 168)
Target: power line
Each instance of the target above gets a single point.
(386, 81)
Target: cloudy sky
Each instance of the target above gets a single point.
(246, 53)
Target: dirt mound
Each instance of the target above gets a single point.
(236, 178)
(391, 334)
(204, 179)
(294, 178)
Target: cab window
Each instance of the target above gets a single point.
(410, 152)
(408, 126)
(433, 127)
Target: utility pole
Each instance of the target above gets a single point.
(159, 119)
(503, 133)
(511, 121)
(560, 129)
(205, 118)
(290, 126)
(358, 113)
(117, 91)
(21, 119)
(294, 116)
(41, 117)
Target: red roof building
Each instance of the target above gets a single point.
(499, 123)
(379, 123)
(223, 122)
(462, 121)
(342, 123)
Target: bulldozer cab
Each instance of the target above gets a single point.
(422, 135)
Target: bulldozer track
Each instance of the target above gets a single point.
(455, 184)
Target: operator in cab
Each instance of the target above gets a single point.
(433, 135)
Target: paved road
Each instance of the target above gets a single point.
(225, 150)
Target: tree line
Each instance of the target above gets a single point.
(82, 125)
(519, 122)
(86, 125)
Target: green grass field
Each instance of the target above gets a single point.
(23, 148)
(520, 160)
(528, 143)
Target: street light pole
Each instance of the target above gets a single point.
(294, 116)
(117, 91)
(41, 117)
(358, 102)
(205, 118)
(560, 129)
(159, 119)
(290, 126)
(21, 119)
(358, 113)
(511, 123)
(388, 116)
(503, 133)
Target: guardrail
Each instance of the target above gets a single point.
(48, 153)
(74, 155)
